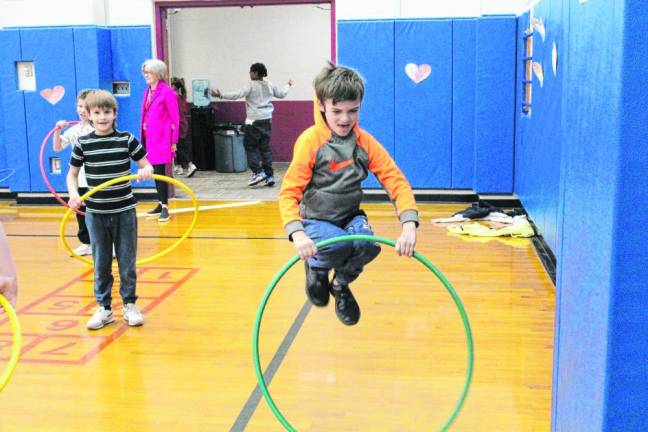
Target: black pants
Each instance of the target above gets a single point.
(160, 186)
(183, 153)
(257, 142)
(83, 235)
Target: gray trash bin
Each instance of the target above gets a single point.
(230, 152)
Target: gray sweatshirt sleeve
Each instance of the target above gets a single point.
(280, 93)
(243, 92)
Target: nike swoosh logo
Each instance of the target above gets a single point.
(335, 166)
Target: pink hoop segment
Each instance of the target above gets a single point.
(44, 174)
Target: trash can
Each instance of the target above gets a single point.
(229, 149)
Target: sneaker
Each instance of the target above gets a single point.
(164, 215)
(270, 181)
(317, 285)
(346, 307)
(177, 169)
(156, 211)
(83, 249)
(256, 179)
(191, 170)
(132, 315)
(101, 317)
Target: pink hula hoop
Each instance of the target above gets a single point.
(44, 174)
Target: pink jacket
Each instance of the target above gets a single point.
(160, 123)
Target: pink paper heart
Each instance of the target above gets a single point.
(418, 73)
(53, 95)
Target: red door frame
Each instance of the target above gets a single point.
(162, 6)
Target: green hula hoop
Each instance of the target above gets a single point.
(422, 260)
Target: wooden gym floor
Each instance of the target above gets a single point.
(189, 368)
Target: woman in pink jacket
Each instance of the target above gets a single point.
(159, 127)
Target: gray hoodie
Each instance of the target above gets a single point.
(257, 94)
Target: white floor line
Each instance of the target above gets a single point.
(208, 207)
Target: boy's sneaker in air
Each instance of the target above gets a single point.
(191, 170)
(101, 317)
(132, 315)
(156, 211)
(317, 285)
(83, 249)
(164, 215)
(346, 307)
(256, 179)
(270, 181)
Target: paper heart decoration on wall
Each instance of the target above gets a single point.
(537, 71)
(53, 95)
(418, 73)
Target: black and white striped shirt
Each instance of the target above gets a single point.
(105, 158)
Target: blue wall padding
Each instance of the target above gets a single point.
(13, 132)
(627, 370)
(538, 147)
(93, 58)
(369, 48)
(52, 50)
(72, 57)
(580, 172)
(423, 111)
(464, 33)
(131, 46)
(494, 104)
(589, 180)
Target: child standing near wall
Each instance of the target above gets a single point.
(69, 138)
(106, 154)
(183, 151)
(321, 192)
(258, 94)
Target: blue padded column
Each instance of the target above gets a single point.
(464, 33)
(131, 46)
(494, 104)
(601, 377)
(14, 155)
(423, 111)
(627, 369)
(93, 54)
(52, 50)
(368, 46)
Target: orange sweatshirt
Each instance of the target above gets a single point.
(324, 179)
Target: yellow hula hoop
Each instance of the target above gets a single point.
(125, 178)
(17, 342)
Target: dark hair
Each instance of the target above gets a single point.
(338, 83)
(259, 69)
(178, 84)
(83, 94)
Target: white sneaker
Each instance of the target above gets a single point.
(256, 179)
(100, 318)
(83, 249)
(191, 170)
(132, 315)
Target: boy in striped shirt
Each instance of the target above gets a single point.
(110, 213)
